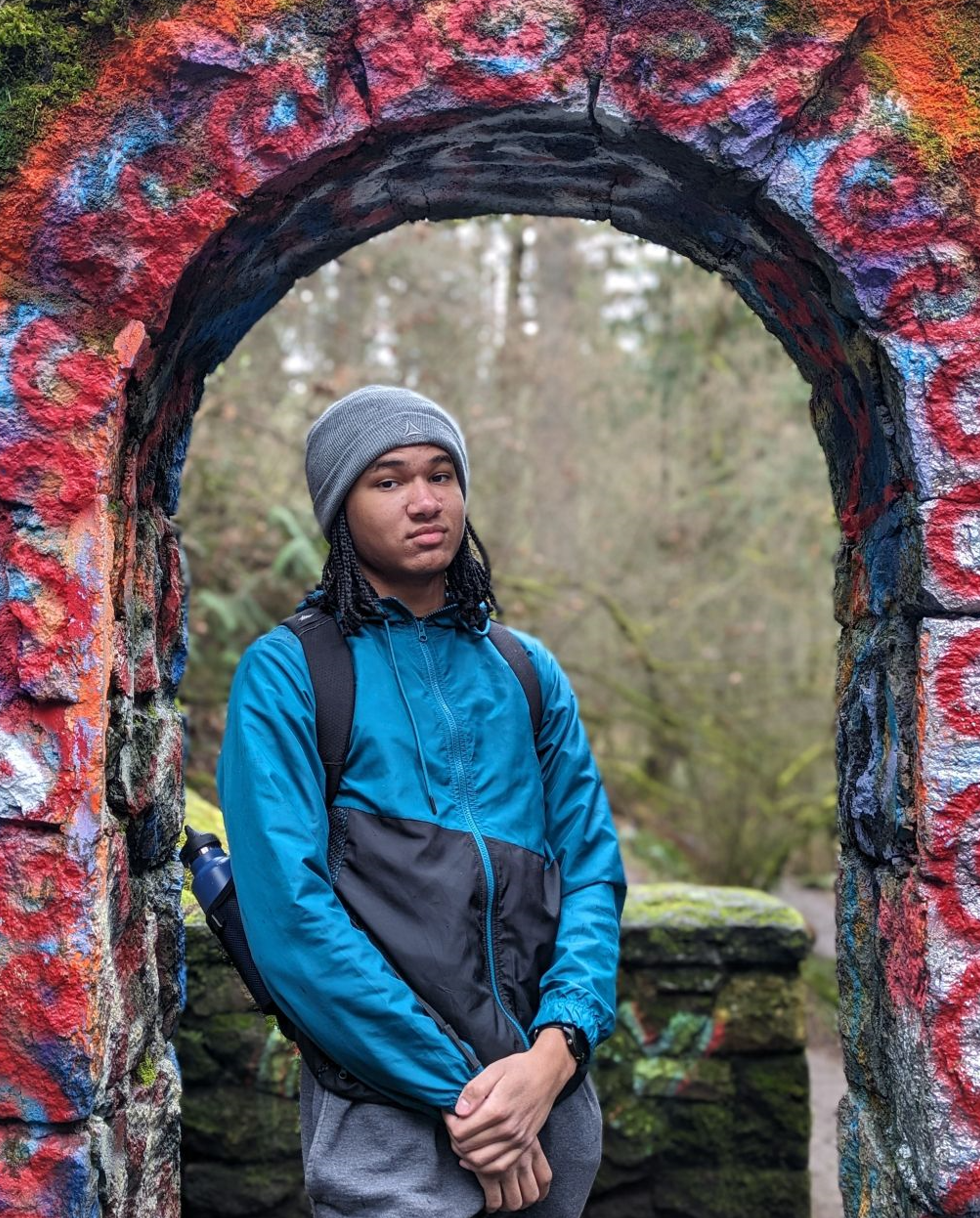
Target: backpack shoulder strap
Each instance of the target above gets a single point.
(515, 655)
(332, 672)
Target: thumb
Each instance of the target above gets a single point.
(475, 1092)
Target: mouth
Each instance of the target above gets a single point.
(430, 536)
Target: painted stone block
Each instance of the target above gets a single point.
(731, 1192)
(137, 1146)
(46, 1172)
(876, 732)
(51, 1033)
(761, 1013)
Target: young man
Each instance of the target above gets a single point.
(447, 931)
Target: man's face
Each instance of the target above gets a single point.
(406, 517)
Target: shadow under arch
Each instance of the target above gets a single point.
(225, 160)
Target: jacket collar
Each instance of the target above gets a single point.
(393, 610)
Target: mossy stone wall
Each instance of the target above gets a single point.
(703, 1084)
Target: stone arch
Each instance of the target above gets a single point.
(820, 156)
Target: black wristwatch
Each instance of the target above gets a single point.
(575, 1038)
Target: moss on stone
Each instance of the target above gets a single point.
(237, 1040)
(735, 1191)
(772, 1109)
(213, 985)
(696, 924)
(695, 1133)
(761, 1012)
(197, 1067)
(792, 16)
(687, 980)
(146, 1071)
(960, 24)
(697, 1079)
(239, 1125)
(50, 54)
(634, 1131)
(642, 988)
(259, 1190)
(878, 71)
(205, 817)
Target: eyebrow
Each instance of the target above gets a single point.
(400, 462)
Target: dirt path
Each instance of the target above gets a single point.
(827, 1083)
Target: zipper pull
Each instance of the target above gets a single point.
(423, 637)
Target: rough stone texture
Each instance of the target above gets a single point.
(821, 155)
(705, 1078)
(681, 924)
(704, 1082)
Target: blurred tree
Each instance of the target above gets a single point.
(646, 479)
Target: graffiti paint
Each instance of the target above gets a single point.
(821, 155)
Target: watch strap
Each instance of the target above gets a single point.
(575, 1038)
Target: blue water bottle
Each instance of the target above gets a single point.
(214, 888)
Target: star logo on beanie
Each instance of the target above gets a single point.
(411, 429)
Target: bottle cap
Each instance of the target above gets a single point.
(196, 844)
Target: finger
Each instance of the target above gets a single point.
(476, 1091)
(542, 1169)
(481, 1124)
(504, 1131)
(529, 1185)
(488, 1163)
(511, 1190)
(492, 1197)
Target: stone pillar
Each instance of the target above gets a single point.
(704, 1083)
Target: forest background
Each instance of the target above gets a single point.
(643, 473)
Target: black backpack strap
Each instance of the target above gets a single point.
(515, 655)
(332, 672)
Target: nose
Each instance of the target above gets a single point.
(424, 502)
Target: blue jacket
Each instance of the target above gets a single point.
(455, 866)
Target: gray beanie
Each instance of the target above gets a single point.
(358, 428)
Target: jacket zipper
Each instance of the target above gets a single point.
(458, 765)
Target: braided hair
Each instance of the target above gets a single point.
(349, 594)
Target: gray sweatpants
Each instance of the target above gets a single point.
(375, 1161)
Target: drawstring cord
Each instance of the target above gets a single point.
(415, 728)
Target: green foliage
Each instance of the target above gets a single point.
(302, 556)
(820, 976)
(235, 616)
(49, 55)
(718, 789)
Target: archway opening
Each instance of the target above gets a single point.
(654, 191)
(593, 497)
(632, 425)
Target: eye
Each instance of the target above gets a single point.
(442, 477)
(386, 483)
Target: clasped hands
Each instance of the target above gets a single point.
(494, 1129)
